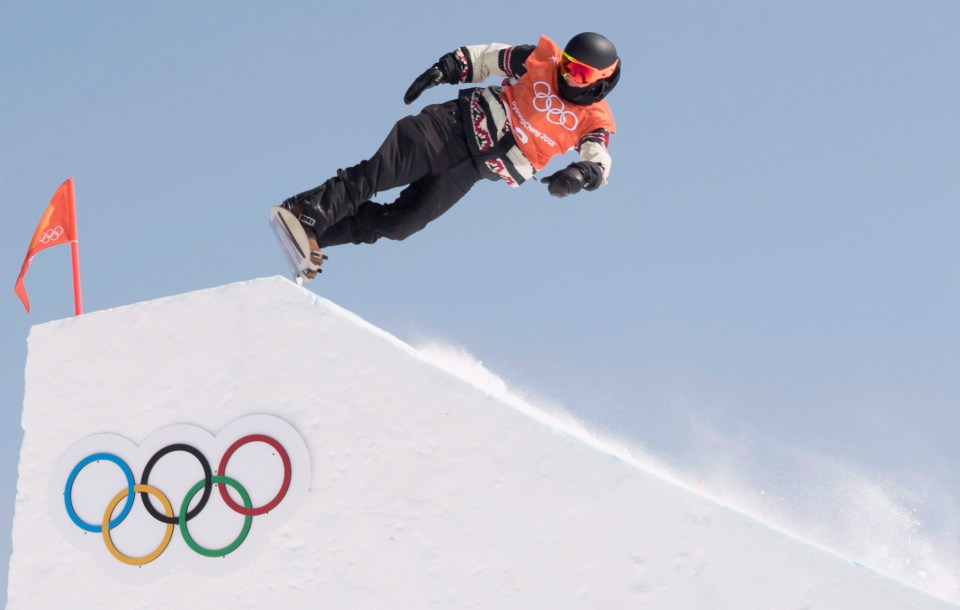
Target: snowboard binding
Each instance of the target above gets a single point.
(302, 253)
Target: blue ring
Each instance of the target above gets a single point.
(98, 528)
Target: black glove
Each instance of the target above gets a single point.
(567, 181)
(444, 71)
(431, 78)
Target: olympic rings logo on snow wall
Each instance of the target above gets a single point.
(262, 471)
(185, 514)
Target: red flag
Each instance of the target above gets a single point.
(58, 225)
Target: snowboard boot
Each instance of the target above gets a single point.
(305, 207)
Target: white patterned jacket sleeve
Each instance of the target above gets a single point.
(593, 149)
(480, 62)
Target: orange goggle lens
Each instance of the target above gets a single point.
(582, 73)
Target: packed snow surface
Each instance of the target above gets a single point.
(418, 480)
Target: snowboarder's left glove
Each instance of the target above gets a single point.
(572, 178)
(446, 70)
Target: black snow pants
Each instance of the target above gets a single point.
(428, 153)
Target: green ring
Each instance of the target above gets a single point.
(247, 520)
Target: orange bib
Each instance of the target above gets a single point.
(543, 123)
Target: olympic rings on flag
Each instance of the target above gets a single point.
(173, 519)
(51, 235)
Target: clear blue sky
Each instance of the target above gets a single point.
(767, 290)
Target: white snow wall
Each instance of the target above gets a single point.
(416, 490)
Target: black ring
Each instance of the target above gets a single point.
(207, 482)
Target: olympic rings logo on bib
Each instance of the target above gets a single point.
(548, 102)
(177, 513)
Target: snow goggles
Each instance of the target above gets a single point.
(582, 73)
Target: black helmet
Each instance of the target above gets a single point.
(592, 49)
(597, 52)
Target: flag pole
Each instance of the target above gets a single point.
(75, 255)
(77, 299)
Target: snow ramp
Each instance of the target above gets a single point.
(256, 446)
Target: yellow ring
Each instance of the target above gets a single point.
(137, 561)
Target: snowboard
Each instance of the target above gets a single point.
(294, 244)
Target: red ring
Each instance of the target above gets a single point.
(287, 472)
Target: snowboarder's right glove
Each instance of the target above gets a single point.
(567, 181)
(572, 178)
(446, 70)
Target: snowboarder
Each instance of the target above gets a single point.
(551, 101)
